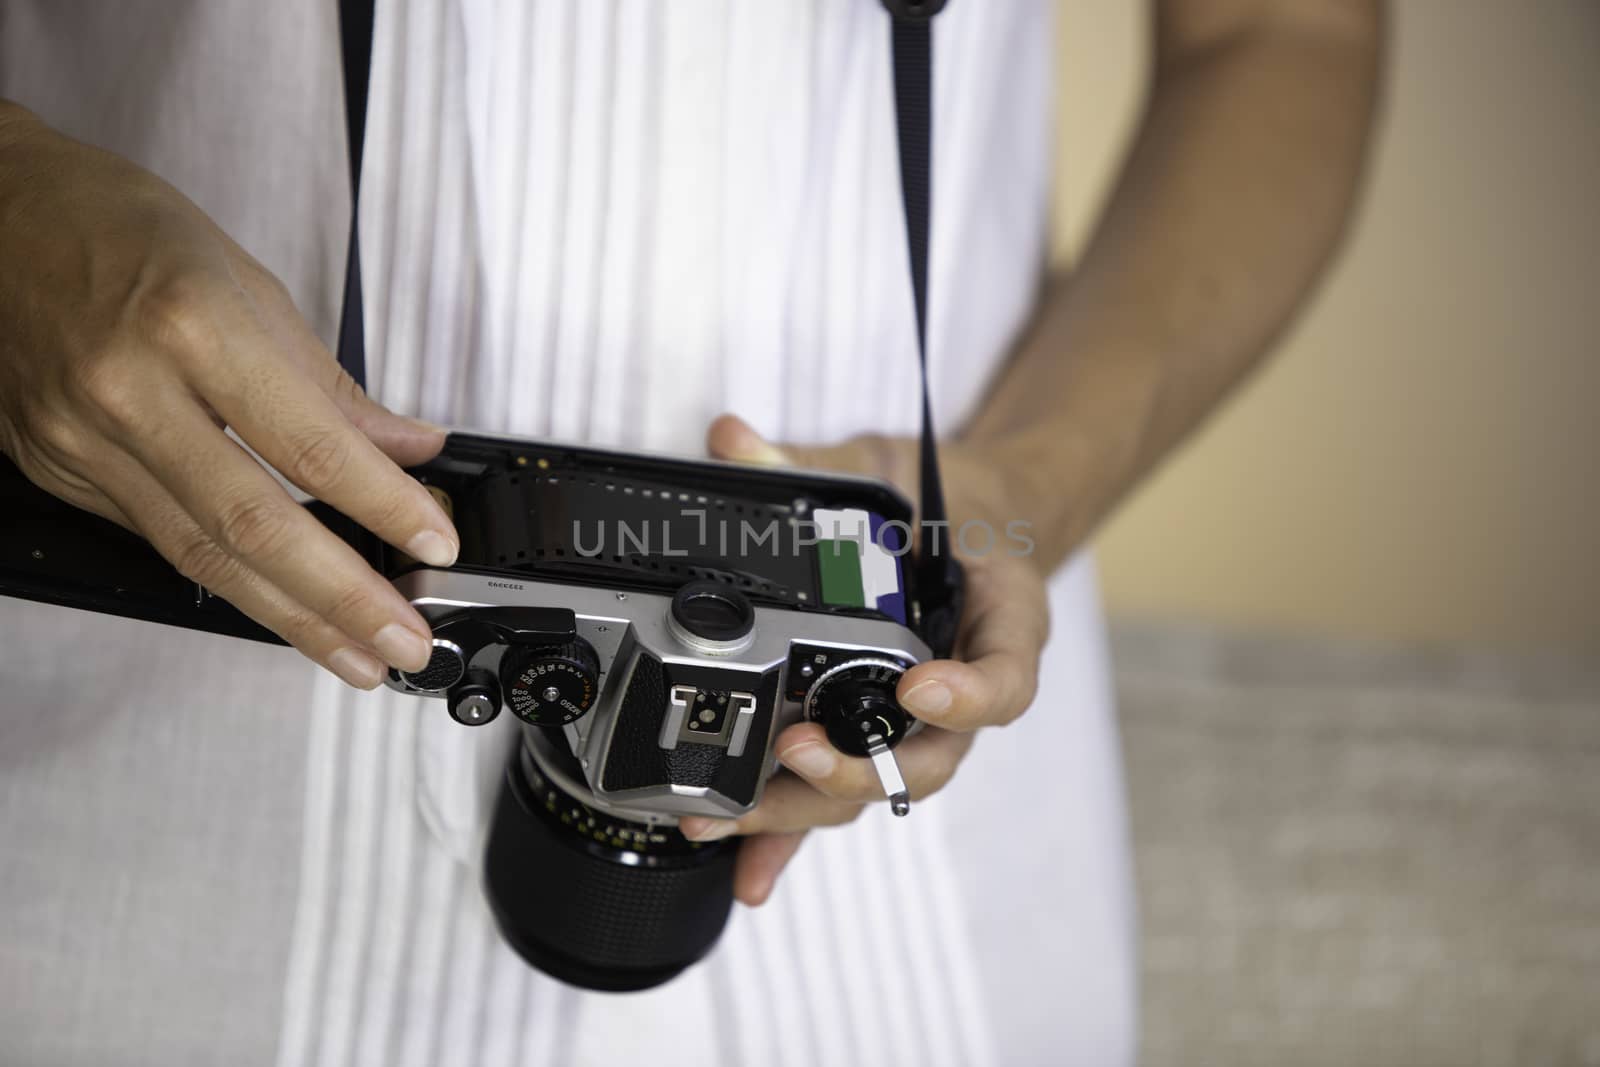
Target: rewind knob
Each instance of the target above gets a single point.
(550, 685)
(446, 664)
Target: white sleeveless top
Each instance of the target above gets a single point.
(603, 222)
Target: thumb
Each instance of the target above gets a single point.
(731, 438)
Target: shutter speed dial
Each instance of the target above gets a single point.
(550, 685)
(855, 703)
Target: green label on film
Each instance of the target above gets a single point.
(840, 565)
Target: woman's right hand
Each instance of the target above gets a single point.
(133, 332)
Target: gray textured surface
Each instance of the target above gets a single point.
(151, 785)
(1359, 855)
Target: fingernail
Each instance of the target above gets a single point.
(763, 454)
(433, 548)
(697, 829)
(927, 698)
(356, 668)
(424, 424)
(810, 760)
(403, 647)
(751, 447)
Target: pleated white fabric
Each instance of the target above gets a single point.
(609, 221)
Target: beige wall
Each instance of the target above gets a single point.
(1421, 460)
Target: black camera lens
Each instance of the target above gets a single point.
(594, 900)
(713, 611)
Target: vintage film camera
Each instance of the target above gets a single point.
(652, 623)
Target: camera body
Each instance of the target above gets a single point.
(655, 624)
(630, 708)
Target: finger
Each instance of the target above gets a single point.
(761, 860)
(788, 805)
(162, 523)
(152, 512)
(242, 373)
(248, 515)
(298, 430)
(730, 437)
(795, 801)
(406, 441)
(1004, 630)
(928, 759)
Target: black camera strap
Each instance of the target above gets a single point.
(355, 41)
(939, 578)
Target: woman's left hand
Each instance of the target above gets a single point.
(999, 642)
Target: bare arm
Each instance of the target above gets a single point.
(1231, 201)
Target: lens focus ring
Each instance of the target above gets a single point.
(587, 916)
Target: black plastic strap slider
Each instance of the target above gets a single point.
(914, 10)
